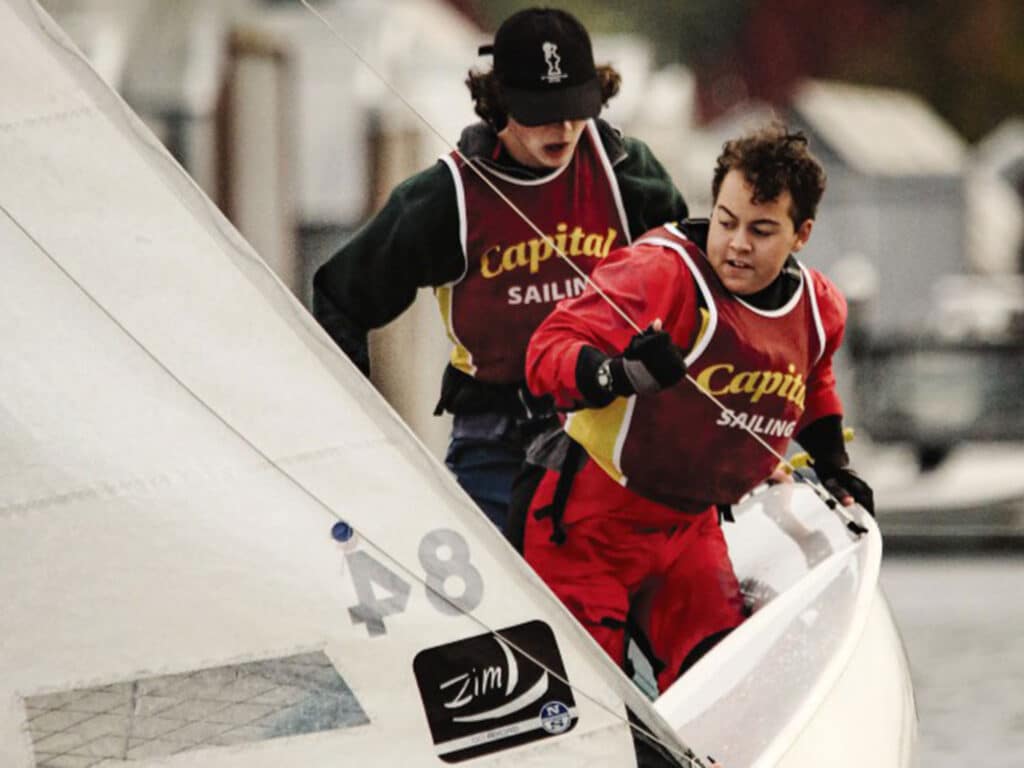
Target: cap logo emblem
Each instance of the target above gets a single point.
(554, 62)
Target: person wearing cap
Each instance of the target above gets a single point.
(586, 188)
(626, 526)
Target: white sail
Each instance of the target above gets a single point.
(179, 439)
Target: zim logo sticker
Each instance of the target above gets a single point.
(482, 695)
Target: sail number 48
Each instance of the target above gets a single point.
(444, 555)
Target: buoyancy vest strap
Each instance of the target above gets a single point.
(523, 489)
(556, 509)
(636, 633)
(462, 394)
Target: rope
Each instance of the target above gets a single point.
(472, 165)
(303, 489)
(827, 498)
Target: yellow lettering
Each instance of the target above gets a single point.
(514, 256)
(787, 382)
(788, 386)
(799, 390)
(485, 266)
(770, 381)
(536, 256)
(704, 379)
(592, 245)
(608, 242)
(560, 237)
(534, 252)
(574, 241)
(742, 382)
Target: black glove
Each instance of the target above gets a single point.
(842, 482)
(649, 364)
(652, 362)
(823, 440)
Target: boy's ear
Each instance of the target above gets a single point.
(803, 234)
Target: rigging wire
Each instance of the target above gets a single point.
(689, 756)
(692, 760)
(830, 501)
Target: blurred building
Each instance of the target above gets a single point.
(893, 217)
(298, 131)
(996, 200)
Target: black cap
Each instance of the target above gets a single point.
(545, 67)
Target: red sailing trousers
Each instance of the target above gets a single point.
(623, 551)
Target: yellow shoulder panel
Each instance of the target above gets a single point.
(597, 430)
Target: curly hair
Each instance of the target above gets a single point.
(773, 159)
(485, 90)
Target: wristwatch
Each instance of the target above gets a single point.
(604, 375)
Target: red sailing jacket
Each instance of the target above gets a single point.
(513, 278)
(772, 370)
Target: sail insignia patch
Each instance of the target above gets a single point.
(486, 693)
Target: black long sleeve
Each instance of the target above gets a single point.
(823, 440)
(648, 194)
(411, 243)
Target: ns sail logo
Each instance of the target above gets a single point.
(485, 693)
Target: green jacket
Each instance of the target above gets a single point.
(413, 241)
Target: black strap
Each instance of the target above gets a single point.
(556, 509)
(635, 632)
(523, 489)
(701, 648)
(462, 394)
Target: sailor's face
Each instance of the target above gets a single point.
(748, 242)
(542, 146)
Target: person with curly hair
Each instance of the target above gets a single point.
(625, 524)
(585, 187)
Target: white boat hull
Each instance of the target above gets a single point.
(868, 718)
(819, 669)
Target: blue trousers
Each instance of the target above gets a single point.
(486, 454)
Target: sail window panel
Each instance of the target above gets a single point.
(223, 706)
